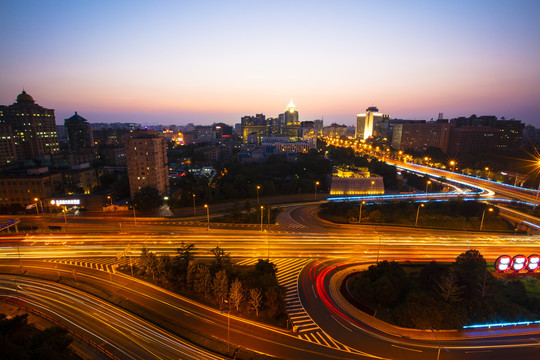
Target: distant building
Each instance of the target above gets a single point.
(147, 162)
(254, 125)
(419, 135)
(334, 130)
(367, 122)
(21, 188)
(32, 129)
(80, 176)
(292, 122)
(478, 134)
(79, 133)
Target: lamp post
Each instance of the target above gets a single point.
(453, 165)
(372, 183)
(262, 212)
(110, 200)
(316, 184)
(194, 209)
(418, 213)
(63, 212)
(489, 172)
(39, 200)
(207, 217)
(483, 215)
(360, 212)
(427, 184)
(134, 216)
(258, 188)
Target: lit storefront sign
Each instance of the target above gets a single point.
(62, 202)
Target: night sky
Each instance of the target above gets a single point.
(215, 61)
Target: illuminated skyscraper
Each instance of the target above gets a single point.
(291, 115)
(366, 123)
(292, 123)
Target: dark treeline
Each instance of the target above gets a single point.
(456, 214)
(23, 341)
(219, 281)
(443, 296)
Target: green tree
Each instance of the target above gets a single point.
(147, 199)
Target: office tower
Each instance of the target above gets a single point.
(292, 123)
(79, 133)
(33, 127)
(368, 123)
(147, 162)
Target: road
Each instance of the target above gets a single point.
(122, 334)
(345, 324)
(166, 309)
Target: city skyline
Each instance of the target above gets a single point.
(212, 62)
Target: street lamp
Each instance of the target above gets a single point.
(418, 213)
(316, 184)
(489, 172)
(134, 216)
(262, 212)
(427, 184)
(372, 183)
(484, 214)
(360, 212)
(194, 210)
(63, 212)
(258, 188)
(453, 165)
(38, 199)
(207, 216)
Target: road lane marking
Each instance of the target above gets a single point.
(404, 348)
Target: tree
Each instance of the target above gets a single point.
(203, 281)
(147, 199)
(163, 265)
(255, 299)
(191, 273)
(236, 295)
(274, 301)
(449, 288)
(221, 285)
(221, 259)
(470, 267)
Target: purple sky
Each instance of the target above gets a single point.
(208, 61)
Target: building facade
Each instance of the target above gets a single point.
(33, 128)
(367, 122)
(147, 162)
(79, 133)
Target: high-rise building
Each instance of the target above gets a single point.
(367, 123)
(292, 122)
(33, 128)
(291, 114)
(147, 162)
(79, 133)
